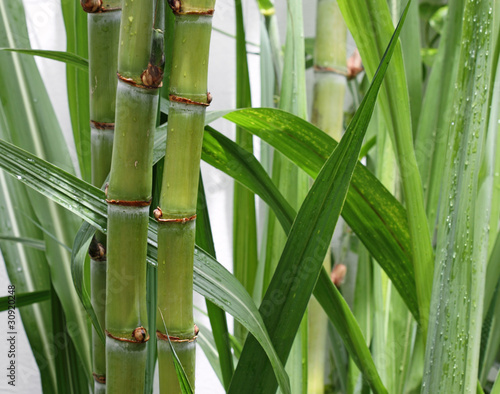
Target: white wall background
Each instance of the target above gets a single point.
(46, 30)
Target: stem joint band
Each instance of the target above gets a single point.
(165, 337)
(102, 125)
(184, 100)
(99, 378)
(139, 335)
(158, 216)
(125, 203)
(95, 7)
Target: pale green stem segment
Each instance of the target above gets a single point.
(327, 113)
(177, 212)
(129, 196)
(103, 34)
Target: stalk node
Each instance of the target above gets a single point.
(125, 203)
(91, 6)
(330, 70)
(95, 7)
(157, 213)
(102, 125)
(176, 6)
(338, 274)
(354, 65)
(139, 335)
(152, 77)
(97, 251)
(165, 337)
(134, 83)
(184, 100)
(158, 216)
(99, 378)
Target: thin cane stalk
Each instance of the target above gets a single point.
(327, 113)
(177, 211)
(129, 195)
(103, 31)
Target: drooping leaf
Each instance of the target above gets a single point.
(24, 299)
(66, 57)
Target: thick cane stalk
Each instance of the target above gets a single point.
(177, 212)
(103, 31)
(129, 195)
(330, 70)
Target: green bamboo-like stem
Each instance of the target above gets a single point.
(178, 198)
(103, 31)
(129, 196)
(327, 113)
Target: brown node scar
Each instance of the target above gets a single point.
(184, 100)
(165, 337)
(330, 70)
(99, 378)
(102, 125)
(338, 274)
(152, 77)
(139, 335)
(97, 251)
(354, 65)
(126, 203)
(91, 6)
(157, 213)
(130, 81)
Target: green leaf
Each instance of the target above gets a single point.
(30, 242)
(24, 299)
(66, 57)
(371, 211)
(217, 316)
(301, 261)
(30, 122)
(78, 255)
(75, 22)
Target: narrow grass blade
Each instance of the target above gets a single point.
(30, 242)
(30, 122)
(66, 57)
(206, 341)
(75, 22)
(78, 257)
(217, 316)
(24, 299)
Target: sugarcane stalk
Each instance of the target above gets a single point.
(177, 211)
(140, 71)
(330, 71)
(103, 30)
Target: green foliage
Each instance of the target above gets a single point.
(420, 241)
